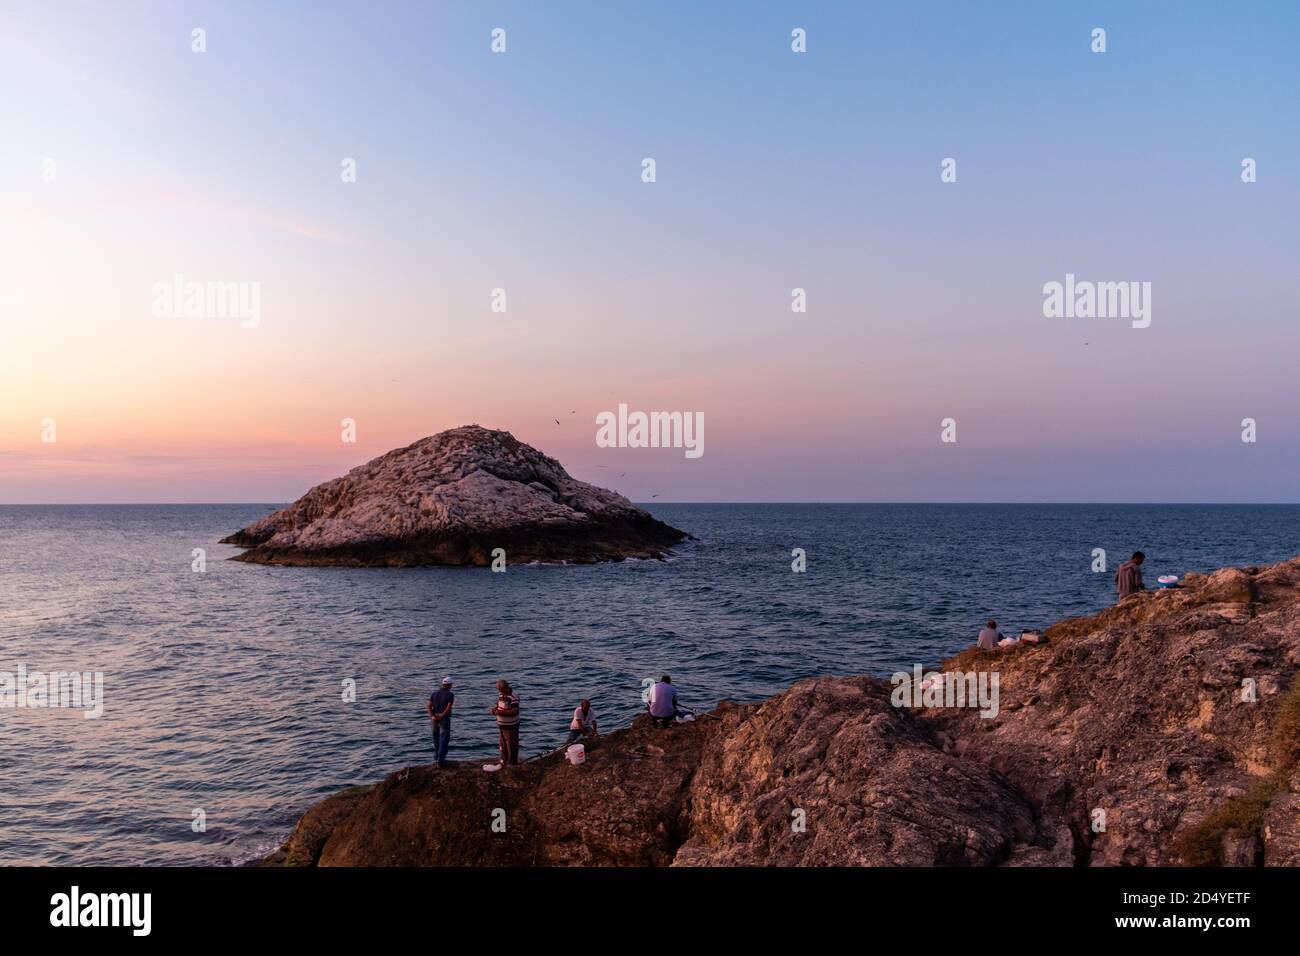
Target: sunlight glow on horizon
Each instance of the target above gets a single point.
(775, 171)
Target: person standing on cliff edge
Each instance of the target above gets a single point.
(1128, 577)
(439, 708)
(506, 711)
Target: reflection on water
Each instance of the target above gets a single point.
(224, 690)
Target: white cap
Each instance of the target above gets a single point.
(446, 681)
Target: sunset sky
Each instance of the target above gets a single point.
(775, 170)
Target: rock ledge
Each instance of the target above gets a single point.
(1162, 731)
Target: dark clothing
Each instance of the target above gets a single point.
(438, 702)
(574, 737)
(1128, 579)
(441, 740)
(509, 734)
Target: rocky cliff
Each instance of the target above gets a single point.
(454, 498)
(1162, 731)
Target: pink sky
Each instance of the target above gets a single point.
(924, 298)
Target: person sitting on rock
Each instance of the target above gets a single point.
(1128, 577)
(989, 636)
(663, 702)
(583, 723)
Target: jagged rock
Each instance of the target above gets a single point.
(625, 805)
(1282, 826)
(1141, 711)
(1239, 850)
(837, 758)
(1133, 733)
(453, 498)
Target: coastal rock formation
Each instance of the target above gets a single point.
(1162, 731)
(625, 806)
(867, 781)
(453, 498)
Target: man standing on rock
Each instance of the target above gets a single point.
(439, 708)
(1128, 578)
(506, 712)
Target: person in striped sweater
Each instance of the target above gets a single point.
(506, 711)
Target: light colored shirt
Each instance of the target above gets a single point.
(988, 639)
(663, 700)
(582, 721)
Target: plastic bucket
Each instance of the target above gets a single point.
(576, 754)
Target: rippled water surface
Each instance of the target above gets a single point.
(223, 689)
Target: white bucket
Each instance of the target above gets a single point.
(576, 754)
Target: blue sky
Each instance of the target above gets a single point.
(775, 170)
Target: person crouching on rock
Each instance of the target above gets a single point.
(989, 636)
(506, 711)
(1128, 577)
(663, 702)
(583, 723)
(439, 708)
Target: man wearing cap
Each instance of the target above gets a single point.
(439, 708)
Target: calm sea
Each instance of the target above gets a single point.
(224, 690)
